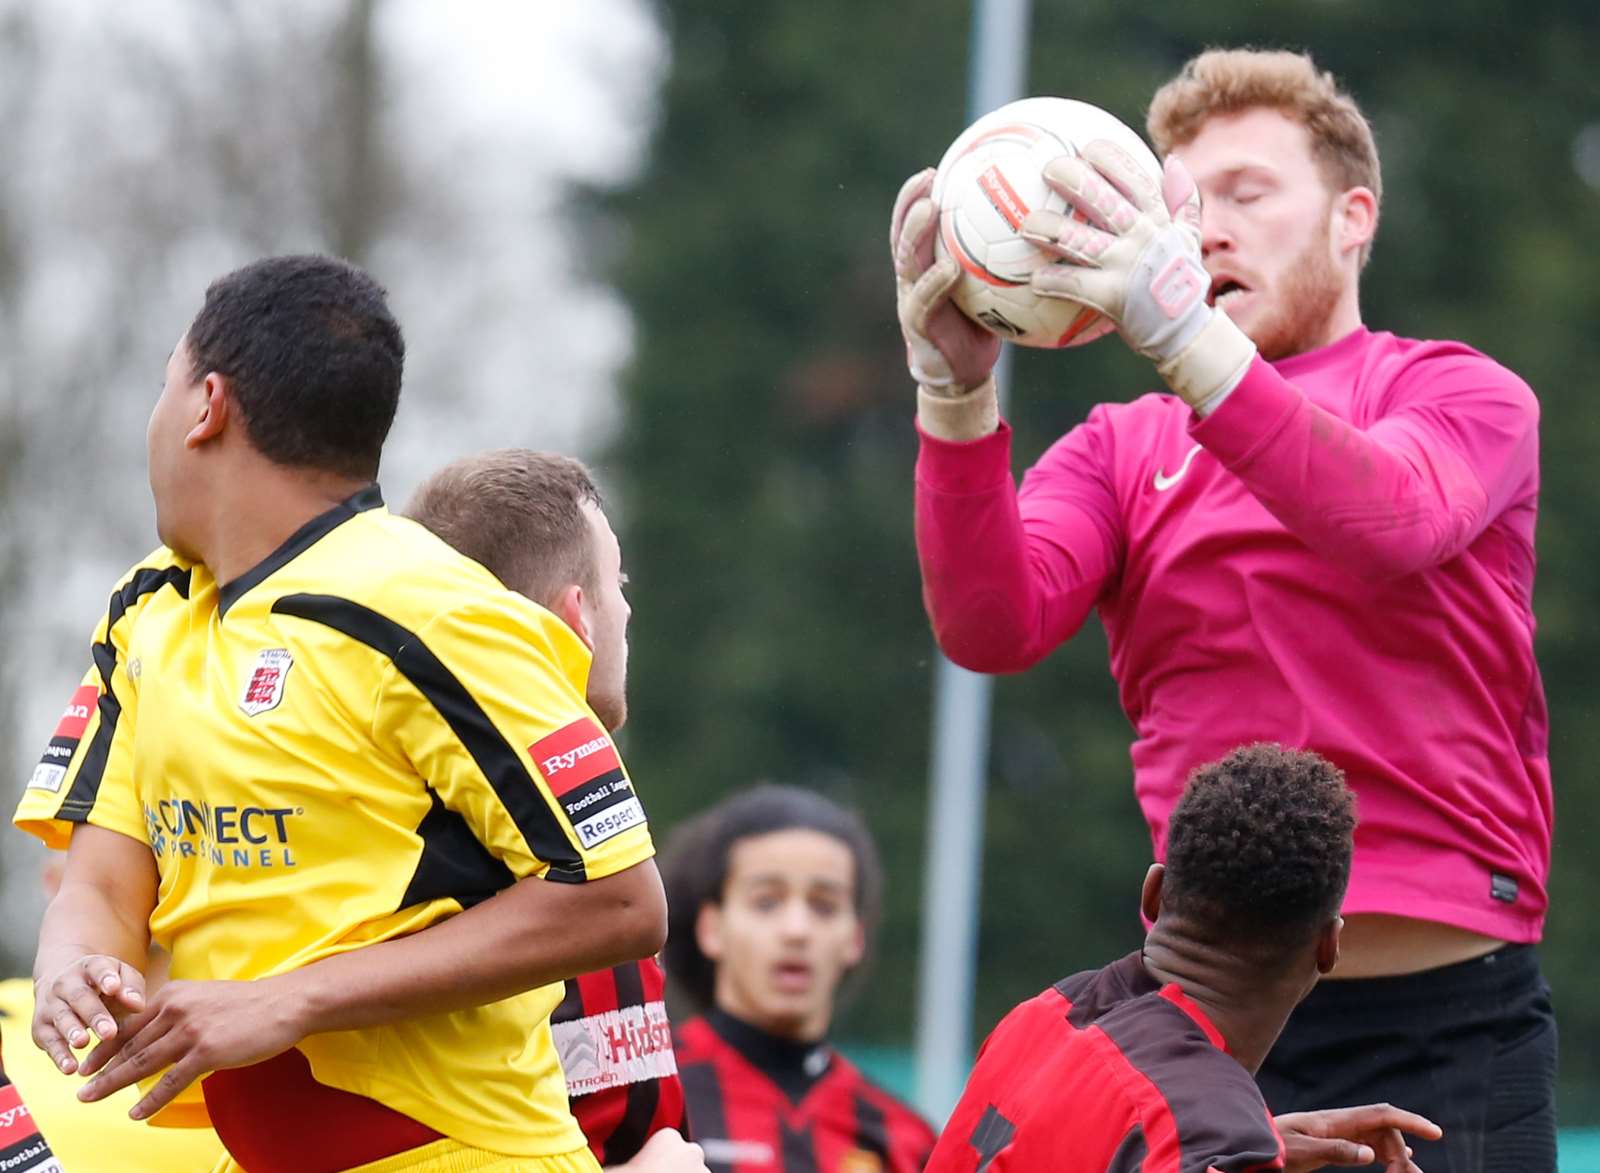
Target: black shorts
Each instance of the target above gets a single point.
(1471, 1046)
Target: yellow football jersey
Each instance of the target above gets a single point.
(362, 735)
(98, 1137)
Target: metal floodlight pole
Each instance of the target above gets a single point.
(953, 862)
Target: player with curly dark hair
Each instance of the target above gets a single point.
(1262, 850)
(1149, 1062)
(772, 898)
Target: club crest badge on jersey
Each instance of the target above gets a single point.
(264, 689)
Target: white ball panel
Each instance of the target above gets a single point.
(988, 180)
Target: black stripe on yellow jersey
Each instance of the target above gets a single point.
(500, 762)
(298, 543)
(145, 581)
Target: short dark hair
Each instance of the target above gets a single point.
(1258, 853)
(519, 513)
(694, 869)
(313, 355)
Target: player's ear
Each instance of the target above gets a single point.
(1355, 218)
(1150, 894)
(568, 607)
(213, 410)
(708, 930)
(1328, 945)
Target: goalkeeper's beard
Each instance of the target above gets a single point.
(1299, 318)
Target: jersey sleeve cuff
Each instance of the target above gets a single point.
(53, 833)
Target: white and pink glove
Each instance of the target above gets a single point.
(1138, 262)
(950, 356)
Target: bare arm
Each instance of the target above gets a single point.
(531, 934)
(94, 943)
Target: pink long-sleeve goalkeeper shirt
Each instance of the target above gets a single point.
(1340, 558)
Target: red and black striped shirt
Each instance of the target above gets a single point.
(760, 1104)
(1112, 1072)
(615, 1045)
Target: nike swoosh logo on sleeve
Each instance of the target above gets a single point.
(1163, 482)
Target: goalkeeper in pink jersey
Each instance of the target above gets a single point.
(1323, 535)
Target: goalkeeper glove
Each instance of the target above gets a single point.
(1142, 269)
(950, 356)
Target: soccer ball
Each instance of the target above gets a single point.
(987, 183)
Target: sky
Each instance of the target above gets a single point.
(537, 96)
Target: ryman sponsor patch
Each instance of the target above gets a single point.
(580, 765)
(52, 768)
(22, 1149)
(16, 1123)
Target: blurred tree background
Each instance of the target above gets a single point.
(764, 462)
